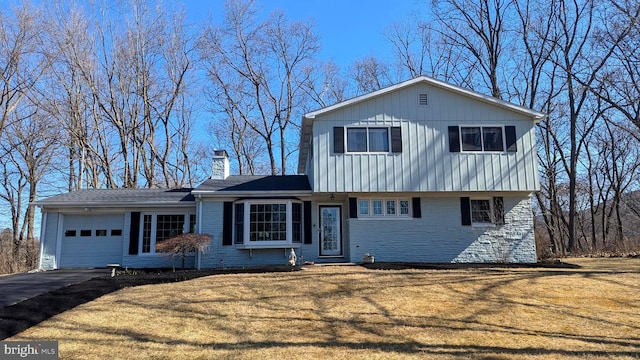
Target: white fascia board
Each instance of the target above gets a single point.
(535, 115)
(102, 205)
(266, 194)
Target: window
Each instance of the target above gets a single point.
(159, 227)
(364, 207)
(116, 232)
(367, 139)
(85, 232)
(384, 208)
(488, 138)
(404, 207)
(267, 223)
(69, 233)
(377, 207)
(101, 232)
(482, 212)
(482, 138)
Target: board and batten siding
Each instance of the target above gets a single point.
(425, 164)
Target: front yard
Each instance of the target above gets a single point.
(346, 312)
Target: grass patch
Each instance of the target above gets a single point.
(355, 312)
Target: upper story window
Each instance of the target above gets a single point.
(482, 138)
(485, 138)
(259, 223)
(367, 139)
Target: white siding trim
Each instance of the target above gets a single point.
(43, 225)
(56, 262)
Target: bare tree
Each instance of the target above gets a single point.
(259, 67)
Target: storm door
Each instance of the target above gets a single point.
(330, 231)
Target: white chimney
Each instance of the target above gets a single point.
(220, 165)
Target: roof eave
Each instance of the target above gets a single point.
(262, 193)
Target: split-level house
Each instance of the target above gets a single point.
(422, 171)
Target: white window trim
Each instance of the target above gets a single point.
(346, 139)
(274, 244)
(491, 213)
(154, 224)
(504, 140)
(384, 215)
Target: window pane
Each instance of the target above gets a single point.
(481, 211)
(116, 232)
(364, 207)
(168, 226)
(404, 207)
(492, 138)
(70, 233)
(101, 232)
(192, 223)
(146, 234)
(296, 223)
(85, 232)
(471, 140)
(269, 222)
(356, 139)
(377, 207)
(239, 223)
(391, 207)
(378, 139)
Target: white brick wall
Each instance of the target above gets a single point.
(439, 236)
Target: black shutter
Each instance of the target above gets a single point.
(417, 211)
(498, 210)
(454, 139)
(227, 223)
(465, 209)
(308, 238)
(510, 137)
(338, 140)
(353, 207)
(134, 233)
(396, 139)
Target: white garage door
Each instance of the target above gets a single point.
(91, 240)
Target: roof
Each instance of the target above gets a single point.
(307, 119)
(121, 197)
(252, 185)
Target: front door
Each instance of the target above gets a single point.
(330, 232)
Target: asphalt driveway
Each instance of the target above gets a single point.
(18, 287)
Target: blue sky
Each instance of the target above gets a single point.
(348, 29)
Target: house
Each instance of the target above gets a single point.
(422, 171)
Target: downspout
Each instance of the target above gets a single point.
(199, 223)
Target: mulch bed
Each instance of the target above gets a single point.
(21, 316)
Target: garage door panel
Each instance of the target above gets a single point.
(88, 241)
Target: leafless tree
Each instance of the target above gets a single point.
(260, 69)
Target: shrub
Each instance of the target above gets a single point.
(183, 244)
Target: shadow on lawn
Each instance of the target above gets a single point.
(23, 315)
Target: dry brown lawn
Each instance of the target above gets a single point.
(347, 312)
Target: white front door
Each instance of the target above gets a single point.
(330, 232)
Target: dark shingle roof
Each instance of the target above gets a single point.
(247, 183)
(113, 197)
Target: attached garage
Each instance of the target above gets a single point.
(91, 240)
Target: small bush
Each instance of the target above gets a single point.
(183, 244)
